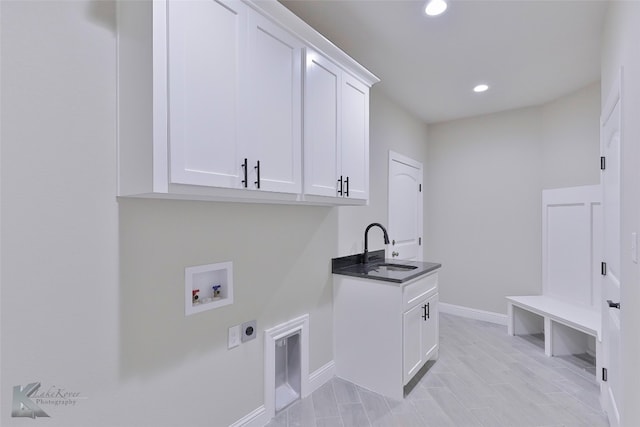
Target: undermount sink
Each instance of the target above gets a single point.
(396, 267)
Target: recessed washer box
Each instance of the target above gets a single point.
(207, 287)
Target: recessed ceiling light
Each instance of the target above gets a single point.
(435, 7)
(481, 88)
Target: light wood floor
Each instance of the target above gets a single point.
(483, 377)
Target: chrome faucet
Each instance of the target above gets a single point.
(365, 255)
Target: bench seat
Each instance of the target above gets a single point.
(559, 323)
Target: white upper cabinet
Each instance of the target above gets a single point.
(274, 104)
(210, 104)
(206, 68)
(336, 131)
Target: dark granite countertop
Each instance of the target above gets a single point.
(379, 268)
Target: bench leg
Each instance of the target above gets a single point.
(510, 320)
(548, 337)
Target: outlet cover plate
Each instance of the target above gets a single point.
(249, 330)
(234, 336)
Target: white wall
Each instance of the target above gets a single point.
(92, 287)
(620, 49)
(485, 176)
(59, 214)
(483, 185)
(570, 139)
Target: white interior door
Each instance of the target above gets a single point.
(611, 338)
(405, 207)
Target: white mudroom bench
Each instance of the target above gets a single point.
(568, 311)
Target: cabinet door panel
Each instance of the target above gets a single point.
(430, 338)
(321, 125)
(206, 45)
(412, 342)
(275, 103)
(419, 336)
(355, 136)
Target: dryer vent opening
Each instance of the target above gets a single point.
(288, 375)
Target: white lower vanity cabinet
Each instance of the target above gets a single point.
(384, 331)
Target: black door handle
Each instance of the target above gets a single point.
(340, 186)
(347, 183)
(426, 312)
(257, 168)
(244, 167)
(613, 304)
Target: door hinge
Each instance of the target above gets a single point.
(420, 188)
(419, 241)
(603, 268)
(604, 374)
(603, 163)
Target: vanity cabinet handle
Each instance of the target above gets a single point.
(395, 254)
(340, 186)
(613, 304)
(347, 192)
(426, 310)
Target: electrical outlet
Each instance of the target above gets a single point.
(234, 336)
(249, 330)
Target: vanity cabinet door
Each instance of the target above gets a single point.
(412, 343)
(430, 329)
(420, 335)
(206, 72)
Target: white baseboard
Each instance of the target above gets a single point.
(472, 313)
(321, 376)
(258, 417)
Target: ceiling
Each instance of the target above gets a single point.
(529, 51)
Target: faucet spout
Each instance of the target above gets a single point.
(365, 255)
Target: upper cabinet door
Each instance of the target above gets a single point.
(321, 125)
(274, 103)
(206, 54)
(355, 137)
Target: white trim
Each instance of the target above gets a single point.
(321, 376)
(404, 159)
(256, 418)
(473, 313)
(297, 325)
(160, 106)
